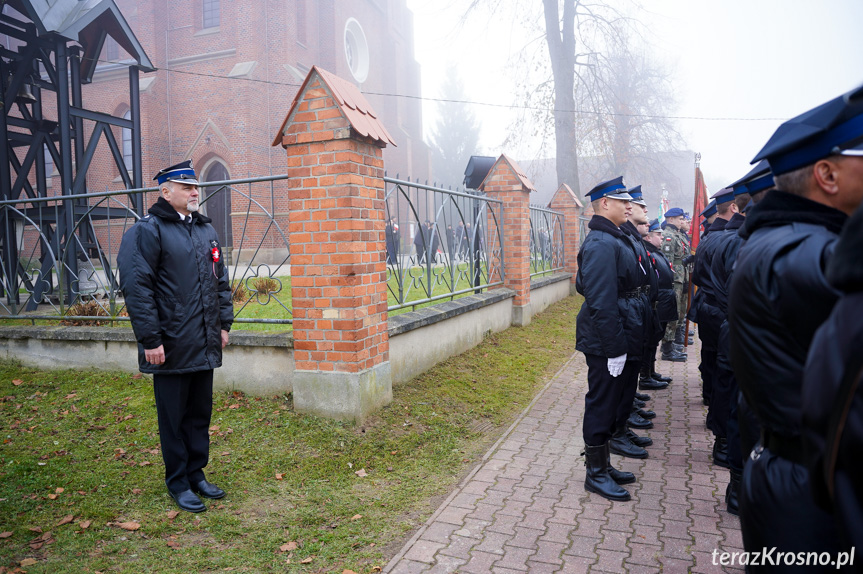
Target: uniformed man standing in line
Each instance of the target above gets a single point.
(675, 247)
(833, 392)
(178, 295)
(610, 331)
(779, 296)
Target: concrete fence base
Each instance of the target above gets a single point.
(262, 364)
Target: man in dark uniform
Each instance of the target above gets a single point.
(638, 218)
(675, 246)
(610, 331)
(666, 302)
(704, 305)
(178, 295)
(779, 296)
(833, 392)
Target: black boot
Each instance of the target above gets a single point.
(620, 444)
(635, 421)
(732, 493)
(618, 476)
(642, 396)
(661, 378)
(647, 415)
(679, 335)
(642, 441)
(670, 354)
(598, 480)
(720, 453)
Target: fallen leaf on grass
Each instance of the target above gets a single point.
(52, 496)
(307, 560)
(28, 562)
(346, 571)
(130, 526)
(17, 382)
(356, 516)
(137, 491)
(6, 534)
(234, 406)
(35, 529)
(361, 473)
(36, 545)
(60, 490)
(288, 546)
(71, 395)
(137, 376)
(280, 476)
(172, 514)
(85, 524)
(66, 520)
(173, 544)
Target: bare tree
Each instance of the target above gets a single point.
(630, 96)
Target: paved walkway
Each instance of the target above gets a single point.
(524, 508)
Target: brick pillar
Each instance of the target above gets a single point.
(507, 182)
(567, 202)
(336, 201)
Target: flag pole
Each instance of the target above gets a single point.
(693, 229)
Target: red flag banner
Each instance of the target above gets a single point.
(700, 205)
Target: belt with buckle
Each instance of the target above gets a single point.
(790, 448)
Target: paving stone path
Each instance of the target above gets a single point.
(524, 508)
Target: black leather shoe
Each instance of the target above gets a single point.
(636, 422)
(651, 385)
(620, 444)
(208, 490)
(647, 415)
(187, 501)
(642, 396)
(720, 453)
(641, 441)
(661, 378)
(636, 404)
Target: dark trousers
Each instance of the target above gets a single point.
(777, 509)
(709, 322)
(184, 404)
(736, 453)
(748, 427)
(605, 397)
(724, 388)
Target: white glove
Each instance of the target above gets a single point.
(615, 365)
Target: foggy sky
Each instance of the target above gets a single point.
(748, 59)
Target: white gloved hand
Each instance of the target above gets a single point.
(615, 365)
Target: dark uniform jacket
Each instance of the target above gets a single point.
(779, 296)
(176, 294)
(834, 367)
(701, 272)
(615, 315)
(725, 250)
(666, 303)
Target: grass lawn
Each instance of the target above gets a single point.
(81, 486)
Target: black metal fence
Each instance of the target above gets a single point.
(546, 241)
(49, 273)
(440, 243)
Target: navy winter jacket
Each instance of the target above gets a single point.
(176, 294)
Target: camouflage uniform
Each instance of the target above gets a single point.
(675, 247)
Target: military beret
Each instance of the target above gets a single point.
(674, 212)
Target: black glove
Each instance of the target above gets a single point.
(689, 260)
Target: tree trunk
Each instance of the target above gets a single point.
(560, 37)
